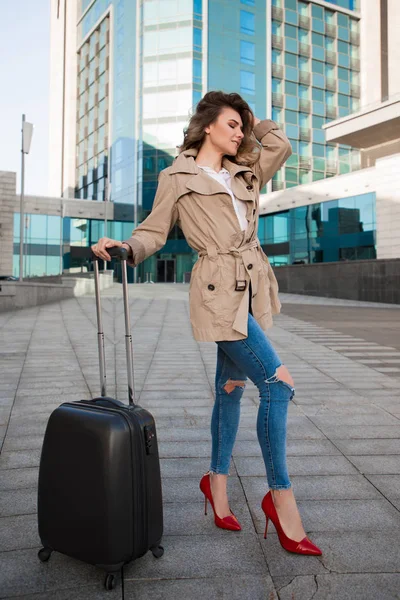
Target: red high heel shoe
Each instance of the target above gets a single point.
(229, 522)
(305, 546)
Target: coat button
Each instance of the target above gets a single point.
(250, 266)
(249, 187)
(211, 287)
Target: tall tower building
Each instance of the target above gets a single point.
(127, 74)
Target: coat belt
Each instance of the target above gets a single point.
(242, 256)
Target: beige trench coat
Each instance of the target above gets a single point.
(228, 258)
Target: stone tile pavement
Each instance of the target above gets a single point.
(343, 454)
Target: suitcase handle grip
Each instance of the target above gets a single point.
(115, 252)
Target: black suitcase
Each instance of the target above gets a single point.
(99, 493)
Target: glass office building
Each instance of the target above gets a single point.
(141, 69)
(342, 229)
(315, 79)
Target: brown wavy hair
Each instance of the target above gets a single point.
(207, 112)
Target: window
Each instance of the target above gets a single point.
(318, 67)
(318, 95)
(247, 53)
(292, 102)
(304, 36)
(343, 47)
(276, 28)
(277, 115)
(196, 97)
(343, 20)
(291, 88)
(290, 31)
(304, 120)
(304, 63)
(247, 22)
(318, 150)
(291, 4)
(317, 122)
(330, 98)
(290, 59)
(344, 87)
(291, 74)
(330, 44)
(291, 17)
(317, 11)
(276, 56)
(304, 92)
(317, 39)
(305, 149)
(248, 2)
(318, 80)
(247, 82)
(343, 60)
(318, 26)
(197, 71)
(303, 9)
(291, 117)
(329, 17)
(197, 39)
(197, 7)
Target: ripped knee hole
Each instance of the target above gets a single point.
(282, 374)
(231, 384)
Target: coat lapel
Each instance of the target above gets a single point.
(202, 183)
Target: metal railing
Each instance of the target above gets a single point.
(305, 134)
(277, 185)
(331, 84)
(304, 49)
(277, 70)
(277, 41)
(330, 57)
(330, 30)
(305, 105)
(277, 99)
(277, 13)
(304, 21)
(304, 77)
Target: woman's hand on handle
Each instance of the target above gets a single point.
(100, 249)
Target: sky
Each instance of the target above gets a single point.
(24, 88)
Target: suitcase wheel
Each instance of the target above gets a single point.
(44, 554)
(157, 551)
(110, 581)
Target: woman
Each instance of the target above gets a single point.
(212, 191)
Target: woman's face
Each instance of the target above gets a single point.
(226, 133)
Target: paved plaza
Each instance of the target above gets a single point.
(343, 448)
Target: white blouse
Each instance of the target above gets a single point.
(240, 206)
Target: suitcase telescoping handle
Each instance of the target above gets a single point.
(122, 255)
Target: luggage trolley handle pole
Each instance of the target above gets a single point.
(121, 254)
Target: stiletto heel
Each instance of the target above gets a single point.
(230, 522)
(266, 528)
(305, 546)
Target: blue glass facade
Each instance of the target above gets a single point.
(343, 229)
(44, 233)
(315, 78)
(237, 50)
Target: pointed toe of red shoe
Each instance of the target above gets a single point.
(229, 523)
(306, 546)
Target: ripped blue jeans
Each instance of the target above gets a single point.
(253, 358)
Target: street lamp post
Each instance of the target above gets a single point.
(27, 130)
